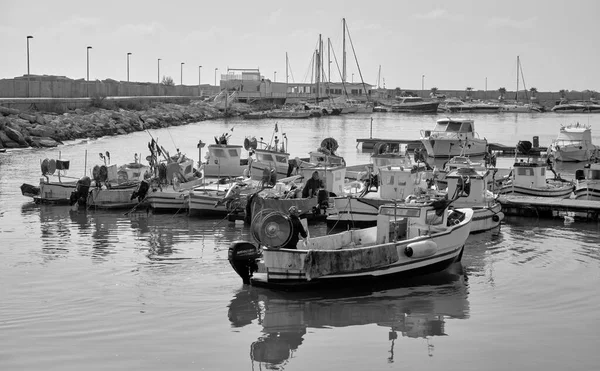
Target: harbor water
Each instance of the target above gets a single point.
(111, 290)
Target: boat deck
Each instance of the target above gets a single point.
(549, 207)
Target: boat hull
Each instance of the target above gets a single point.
(552, 192)
(54, 193)
(451, 147)
(440, 264)
(114, 198)
(425, 107)
(587, 190)
(572, 153)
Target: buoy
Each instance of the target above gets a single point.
(495, 218)
(420, 249)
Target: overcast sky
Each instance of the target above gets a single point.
(453, 44)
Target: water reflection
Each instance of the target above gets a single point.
(417, 310)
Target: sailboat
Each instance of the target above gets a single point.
(359, 107)
(520, 107)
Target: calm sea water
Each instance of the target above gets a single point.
(101, 290)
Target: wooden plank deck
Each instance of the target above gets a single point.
(549, 207)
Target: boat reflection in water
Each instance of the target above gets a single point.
(418, 309)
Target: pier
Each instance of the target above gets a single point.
(547, 207)
(412, 144)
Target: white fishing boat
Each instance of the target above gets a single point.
(453, 137)
(587, 183)
(168, 190)
(528, 178)
(388, 177)
(573, 144)
(487, 211)
(52, 189)
(110, 186)
(270, 158)
(222, 159)
(410, 239)
(456, 162)
(221, 197)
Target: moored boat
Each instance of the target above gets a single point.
(51, 190)
(487, 211)
(453, 137)
(587, 183)
(409, 240)
(528, 178)
(573, 144)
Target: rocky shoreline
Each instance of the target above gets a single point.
(23, 129)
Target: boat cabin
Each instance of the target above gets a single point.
(589, 173)
(477, 191)
(223, 160)
(398, 182)
(406, 221)
(529, 174)
(574, 135)
(333, 177)
(394, 223)
(453, 127)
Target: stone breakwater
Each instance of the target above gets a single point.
(19, 129)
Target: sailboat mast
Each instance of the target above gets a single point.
(344, 50)
(318, 69)
(286, 74)
(329, 60)
(517, 92)
(378, 77)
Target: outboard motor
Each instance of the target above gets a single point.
(141, 191)
(82, 188)
(242, 256)
(579, 174)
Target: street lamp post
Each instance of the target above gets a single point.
(128, 54)
(275, 76)
(423, 85)
(199, 80)
(216, 68)
(88, 71)
(158, 81)
(28, 37)
(353, 77)
(182, 63)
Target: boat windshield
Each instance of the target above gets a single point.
(401, 211)
(448, 126)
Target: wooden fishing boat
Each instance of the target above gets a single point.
(410, 239)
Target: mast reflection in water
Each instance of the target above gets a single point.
(416, 310)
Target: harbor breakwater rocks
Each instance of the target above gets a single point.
(20, 129)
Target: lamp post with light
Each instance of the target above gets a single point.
(28, 37)
(128, 54)
(181, 81)
(216, 68)
(88, 70)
